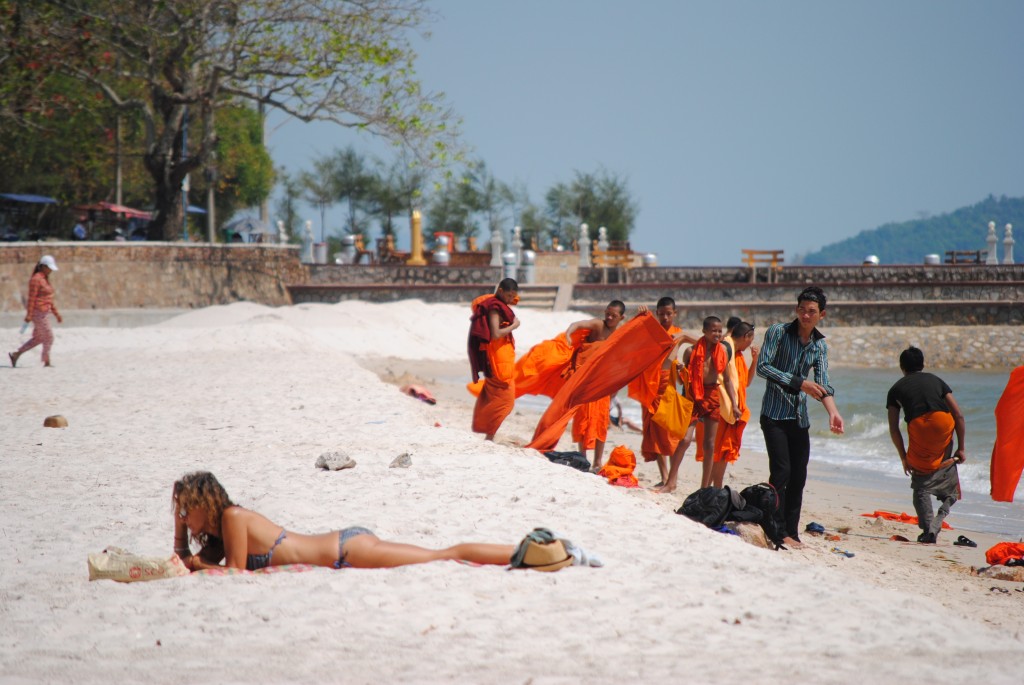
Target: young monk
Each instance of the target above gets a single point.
(648, 388)
(492, 352)
(245, 539)
(932, 417)
(706, 365)
(730, 434)
(590, 423)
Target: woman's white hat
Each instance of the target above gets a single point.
(48, 260)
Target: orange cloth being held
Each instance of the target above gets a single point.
(930, 436)
(617, 361)
(590, 422)
(544, 369)
(1008, 451)
(620, 467)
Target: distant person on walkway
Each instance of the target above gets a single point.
(932, 416)
(40, 305)
(791, 351)
(79, 232)
(492, 352)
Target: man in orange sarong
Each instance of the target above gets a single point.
(647, 389)
(492, 352)
(932, 416)
(590, 422)
(705, 367)
(730, 434)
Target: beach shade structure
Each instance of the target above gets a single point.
(248, 229)
(1008, 450)
(192, 209)
(21, 213)
(122, 210)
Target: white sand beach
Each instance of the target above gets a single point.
(256, 394)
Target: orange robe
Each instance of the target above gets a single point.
(497, 397)
(622, 357)
(729, 437)
(930, 435)
(590, 422)
(647, 389)
(1008, 452)
(543, 369)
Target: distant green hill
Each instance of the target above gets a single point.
(908, 242)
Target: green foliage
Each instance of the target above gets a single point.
(907, 242)
(596, 199)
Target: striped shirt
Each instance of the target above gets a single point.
(785, 363)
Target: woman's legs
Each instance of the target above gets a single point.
(42, 333)
(369, 551)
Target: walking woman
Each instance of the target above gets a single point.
(40, 305)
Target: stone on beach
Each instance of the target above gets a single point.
(335, 461)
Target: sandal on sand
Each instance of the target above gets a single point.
(964, 541)
(540, 550)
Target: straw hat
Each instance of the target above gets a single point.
(540, 550)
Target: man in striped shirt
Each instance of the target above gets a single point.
(789, 353)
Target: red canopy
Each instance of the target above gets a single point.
(116, 209)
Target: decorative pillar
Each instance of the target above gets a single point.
(991, 257)
(584, 245)
(602, 239)
(1008, 242)
(282, 234)
(497, 245)
(416, 229)
(307, 243)
(508, 260)
(529, 266)
(517, 245)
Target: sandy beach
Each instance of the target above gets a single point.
(256, 394)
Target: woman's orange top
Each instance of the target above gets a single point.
(40, 295)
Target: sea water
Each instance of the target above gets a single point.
(864, 456)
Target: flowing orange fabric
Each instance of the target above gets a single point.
(1002, 552)
(651, 383)
(544, 368)
(930, 435)
(902, 518)
(620, 467)
(1008, 452)
(696, 366)
(634, 347)
(498, 396)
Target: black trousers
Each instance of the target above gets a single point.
(789, 450)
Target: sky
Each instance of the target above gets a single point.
(736, 124)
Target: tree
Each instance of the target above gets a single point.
(596, 199)
(397, 188)
(318, 189)
(173, 63)
(288, 206)
(352, 182)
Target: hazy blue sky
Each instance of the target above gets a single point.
(737, 124)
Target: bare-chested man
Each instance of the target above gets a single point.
(706, 364)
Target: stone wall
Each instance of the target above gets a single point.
(399, 275)
(119, 275)
(818, 275)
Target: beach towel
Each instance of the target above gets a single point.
(902, 518)
(620, 467)
(619, 360)
(1008, 451)
(283, 568)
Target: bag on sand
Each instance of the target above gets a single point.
(574, 459)
(114, 563)
(763, 496)
(711, 506)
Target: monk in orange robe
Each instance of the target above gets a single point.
(706, 366)
(590, 422)
(657, 443)
(492, 353)
(731, 427)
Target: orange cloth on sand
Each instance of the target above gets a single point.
(498, 395)
(619, 360)
(620, 467)
(1008, 451)
(1002, 552)
(902, 518)
(930, 435)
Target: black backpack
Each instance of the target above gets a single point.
(711, 506)
(574, 459)
(764, 497)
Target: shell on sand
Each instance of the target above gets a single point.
(56, 421)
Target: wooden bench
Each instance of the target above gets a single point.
(770, 258)
(361, 251)
(966, 256)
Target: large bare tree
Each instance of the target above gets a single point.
(175, 61)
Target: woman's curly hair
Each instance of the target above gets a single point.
(202, 489)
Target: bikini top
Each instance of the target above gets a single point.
(257, 561)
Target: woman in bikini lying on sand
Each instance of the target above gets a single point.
(245, 539)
